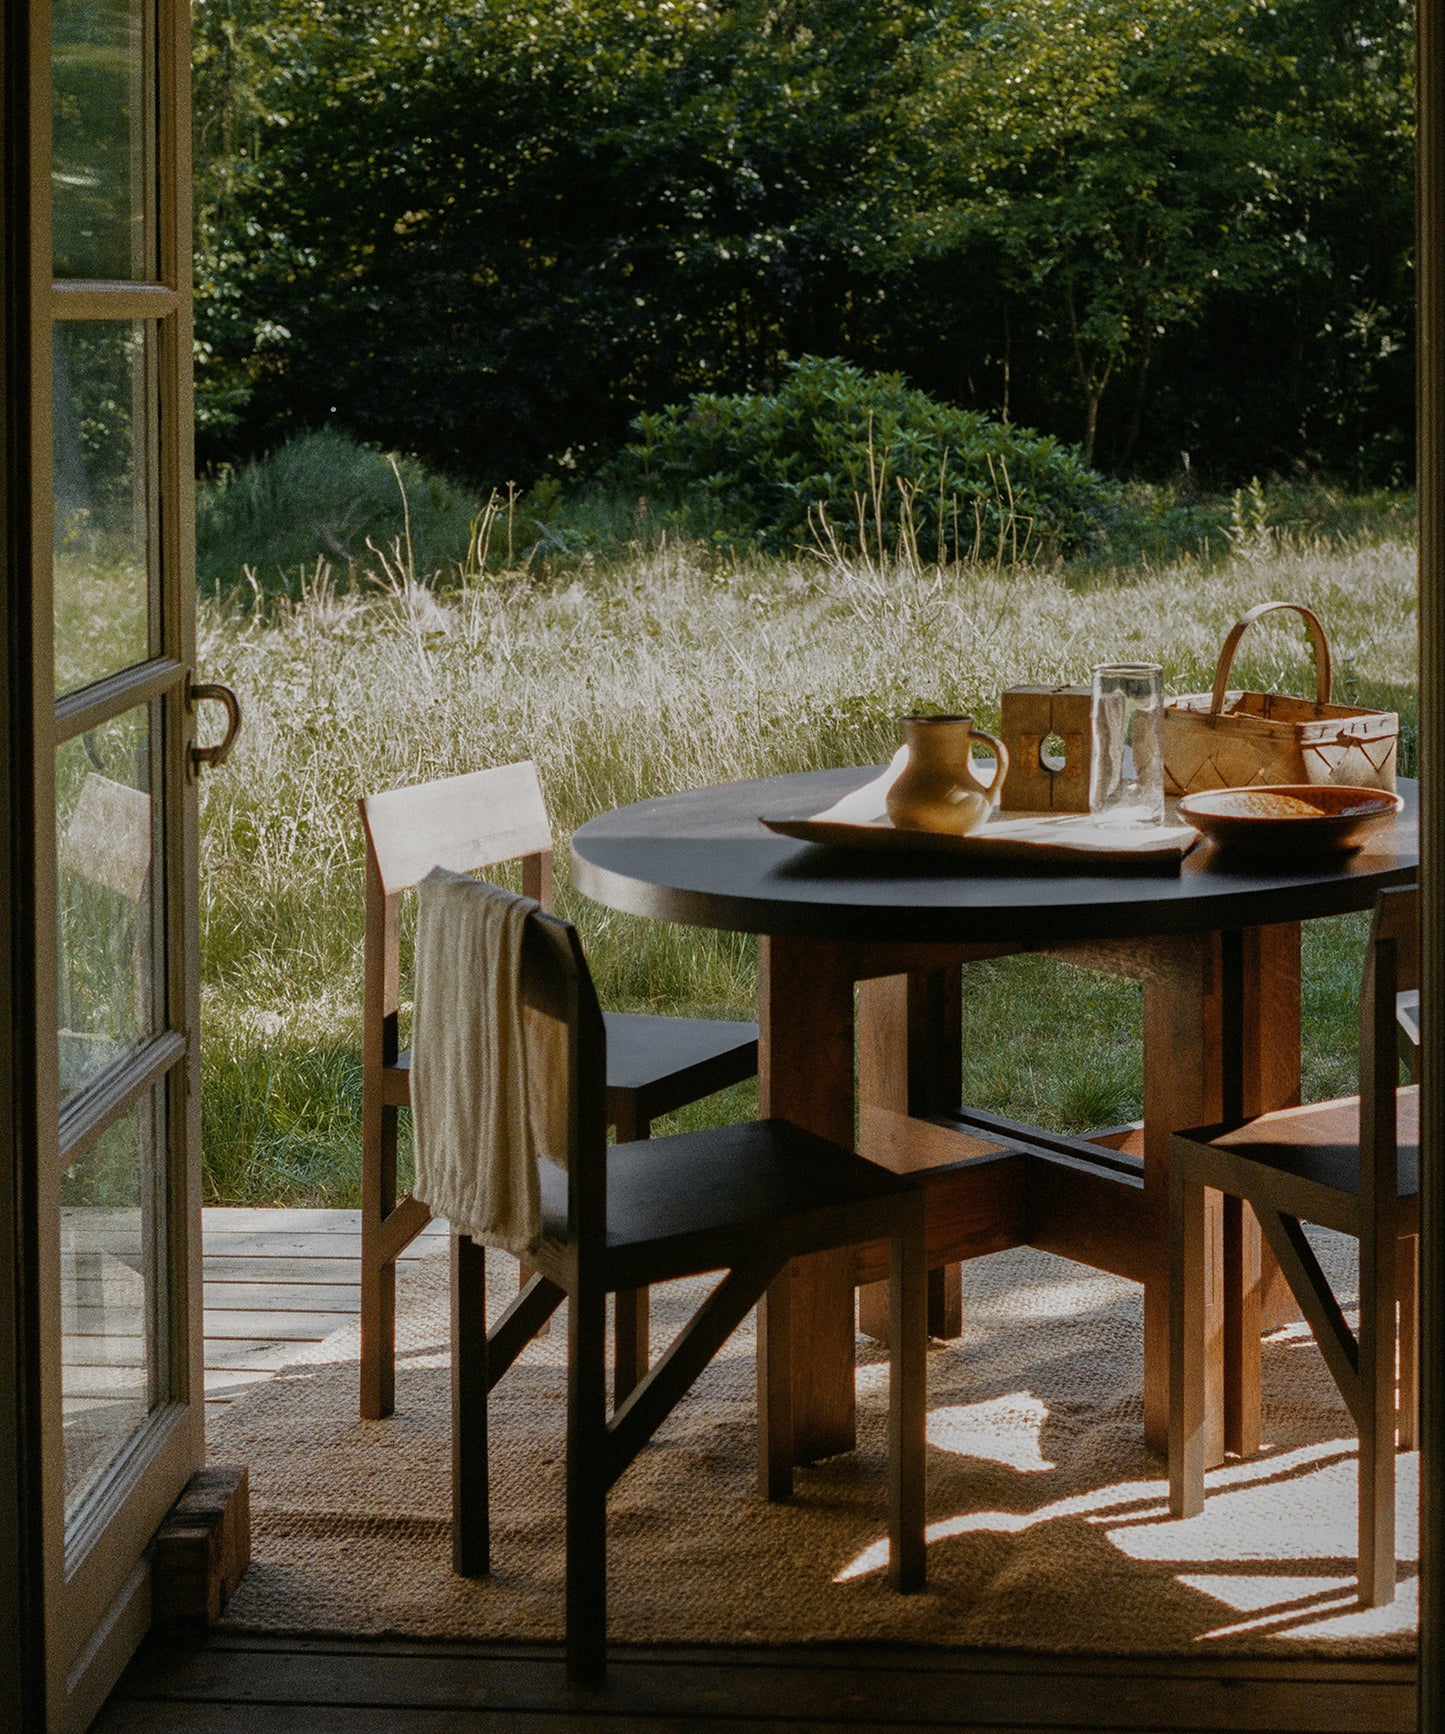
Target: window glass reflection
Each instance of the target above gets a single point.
(99, 169)
(111, 1275)
(102, 473)
(106, 896)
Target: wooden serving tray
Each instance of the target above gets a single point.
(1044, 841)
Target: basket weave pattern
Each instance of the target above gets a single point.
(1240, 739)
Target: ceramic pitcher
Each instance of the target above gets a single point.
(937, 789)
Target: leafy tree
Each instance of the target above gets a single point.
(495, 235)
(1125, 168)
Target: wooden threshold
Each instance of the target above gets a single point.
(263, 1686)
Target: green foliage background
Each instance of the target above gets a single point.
(840, 457)
(492, 235)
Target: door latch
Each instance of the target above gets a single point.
(207, 758)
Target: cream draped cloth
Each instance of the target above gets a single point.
(472, 1097)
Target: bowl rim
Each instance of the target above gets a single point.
(1386, 801)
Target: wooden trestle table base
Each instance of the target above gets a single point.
(862, 974)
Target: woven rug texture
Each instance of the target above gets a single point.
(1048, 1522)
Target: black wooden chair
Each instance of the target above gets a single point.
(1351, 1165)
(655, 1064)
(742, 1199)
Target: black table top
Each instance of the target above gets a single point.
(703, 859)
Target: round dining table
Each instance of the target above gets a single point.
(861, 961)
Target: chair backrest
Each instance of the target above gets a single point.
(557, 990)
(463, 823)
(1392, 966)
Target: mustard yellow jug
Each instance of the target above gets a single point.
(937, 789)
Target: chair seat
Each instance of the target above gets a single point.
(668, 1062)
(669, 1199)
(1315, 1151)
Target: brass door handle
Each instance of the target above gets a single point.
(203, 758)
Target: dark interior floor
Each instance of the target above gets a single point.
(277, 1686)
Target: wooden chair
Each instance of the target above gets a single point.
(1351, 1165)
(743, 1199)
(655, 1064)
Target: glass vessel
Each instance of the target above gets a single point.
(1126, 772)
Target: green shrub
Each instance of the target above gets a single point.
(323, 496)
(867, 461)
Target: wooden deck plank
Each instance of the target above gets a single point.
(296, 1243)
(289, 1297)
(242, 1218)
(224, 1325)
(273, 1280)
(225, 1382)
(255, 1355)
(932, 1658)
(120, 1718)
(853, 1688)
(223, 1267)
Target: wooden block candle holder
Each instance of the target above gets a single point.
(1038, 782)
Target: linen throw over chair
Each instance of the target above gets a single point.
(1351, 1165)
(743, 1200)
(655, 1064)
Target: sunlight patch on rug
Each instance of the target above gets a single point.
(1004, 1430)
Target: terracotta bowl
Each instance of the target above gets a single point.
(1298, 821)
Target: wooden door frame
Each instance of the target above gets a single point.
(67, 1624)
(1430, 427)
(22, 1648)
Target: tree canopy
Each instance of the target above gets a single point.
(494, 235)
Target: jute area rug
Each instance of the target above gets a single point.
(1048, 1525)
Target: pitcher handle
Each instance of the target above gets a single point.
(1000, 764)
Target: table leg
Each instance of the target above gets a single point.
(910, 1059)
(1182, 1088)
(1256, 1296)
(805, 1074)
(1221, 1043)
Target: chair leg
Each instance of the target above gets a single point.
(471, 1542)
(525, 1273)
(1186, 1341)
(631, 1322)
(908, 1403)
(378, 1278)
(775, 1388)
(1377, 1430)
(1243, 1322)
(1408, 1297)
(630, 1327)
(586, 1640)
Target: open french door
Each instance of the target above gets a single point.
(102, 876)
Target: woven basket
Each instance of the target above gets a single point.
(1235, 740)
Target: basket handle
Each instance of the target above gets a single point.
(1323, 672)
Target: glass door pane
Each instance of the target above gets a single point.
(105, 846)
(113, 1364)
(103, 151)
(104, 469)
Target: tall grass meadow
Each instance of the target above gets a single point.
(669, 666)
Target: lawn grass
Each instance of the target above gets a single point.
(669, 669)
